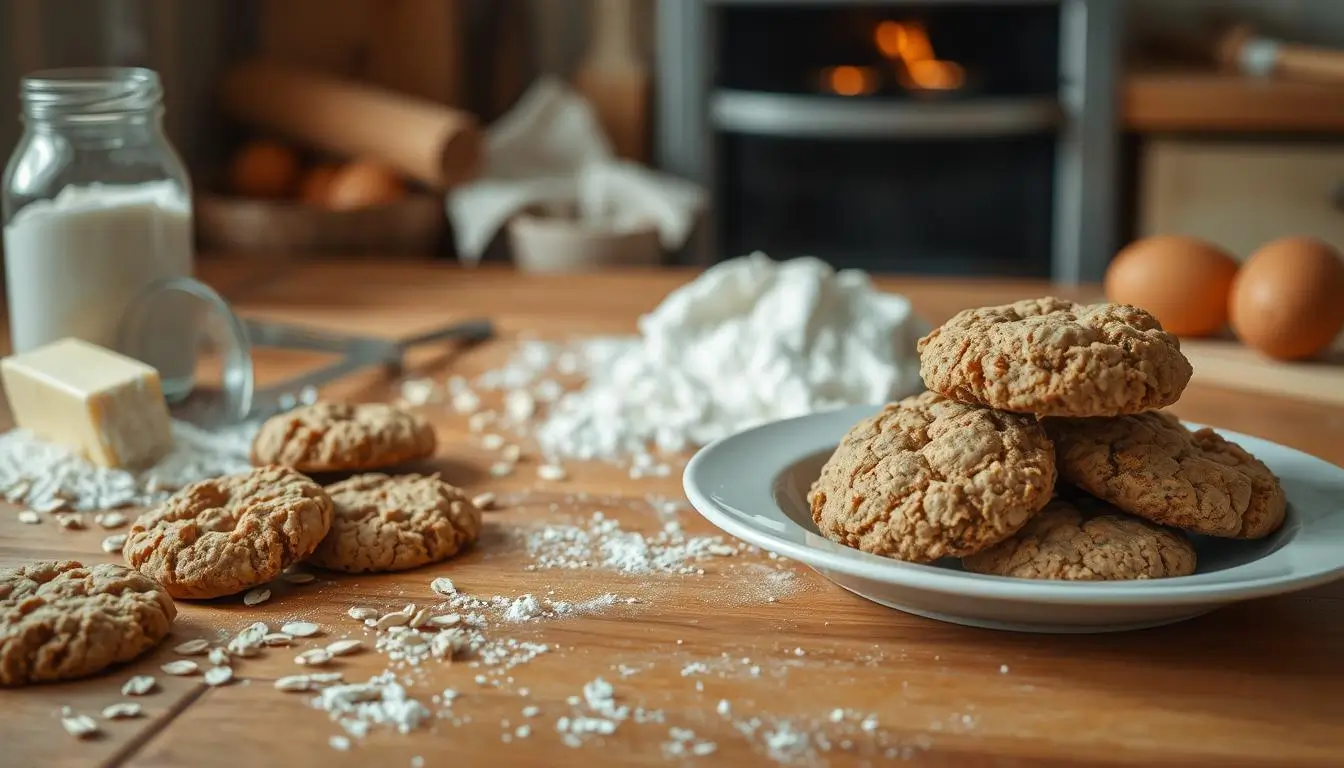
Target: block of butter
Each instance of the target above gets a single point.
(107, 407)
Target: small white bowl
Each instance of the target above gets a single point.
(753, 485)
(560, 244)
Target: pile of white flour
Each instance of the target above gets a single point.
(752, 340)
(41, 475)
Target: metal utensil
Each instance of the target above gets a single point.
(359, 352)
(178, 322)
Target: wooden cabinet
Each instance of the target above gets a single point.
(1241, 194)
(413, 46)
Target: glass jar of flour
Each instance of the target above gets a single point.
(97, 206)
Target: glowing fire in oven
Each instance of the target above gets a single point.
(907, 44)
(849, 81)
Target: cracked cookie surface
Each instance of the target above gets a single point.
(1078, 539)
(343, 437)
(62, 620)
(225, 535)
(393, 523)
(927, 478)
(1150, 465)
(1053, 357)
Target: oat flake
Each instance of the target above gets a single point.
(301, 628)
(122, 711)
(256, 596)
(344, 647)
(192, 647)
(139, 685)
(180, 668)
(79, 726)
(216, 676)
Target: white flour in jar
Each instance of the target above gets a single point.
(74, 263)
(751, 340)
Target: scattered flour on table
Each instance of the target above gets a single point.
(601, 542)
(751, 340)
(43, 475)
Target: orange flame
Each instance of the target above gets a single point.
(908, 44)
(850, 81)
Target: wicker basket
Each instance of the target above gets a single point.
(415, 224)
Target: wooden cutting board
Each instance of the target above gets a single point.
(1229, 364)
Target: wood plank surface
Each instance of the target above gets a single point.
(1257, 683)
(1203, 100)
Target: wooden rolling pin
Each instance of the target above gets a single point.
(435, 144)
(1240, 49)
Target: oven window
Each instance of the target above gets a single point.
(929, 206)
(900, 50)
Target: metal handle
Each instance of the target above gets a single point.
(478, 329)
(792, 116)
(268, 334)
(360, 352)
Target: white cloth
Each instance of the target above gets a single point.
(549, 150)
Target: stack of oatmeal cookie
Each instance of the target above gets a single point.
(1040, 450)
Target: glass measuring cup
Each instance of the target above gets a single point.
(203, 351)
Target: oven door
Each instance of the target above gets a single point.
(952, 188)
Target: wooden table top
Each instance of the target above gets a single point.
(1259, 683)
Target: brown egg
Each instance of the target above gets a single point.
(1288, 300)
(1183, 281)
(316, 184)
(362, 184)
(264, 169)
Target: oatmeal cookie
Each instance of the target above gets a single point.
(928, 478)
(341, 437)
(1150, 465)
(63, 620)
(385, 523)
(1052, 357)
(222, 536)
(1087, 540)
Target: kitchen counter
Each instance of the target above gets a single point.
(1260, 683)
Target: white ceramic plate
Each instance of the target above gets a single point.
(754, 485)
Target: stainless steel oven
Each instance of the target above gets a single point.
(939, 137)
